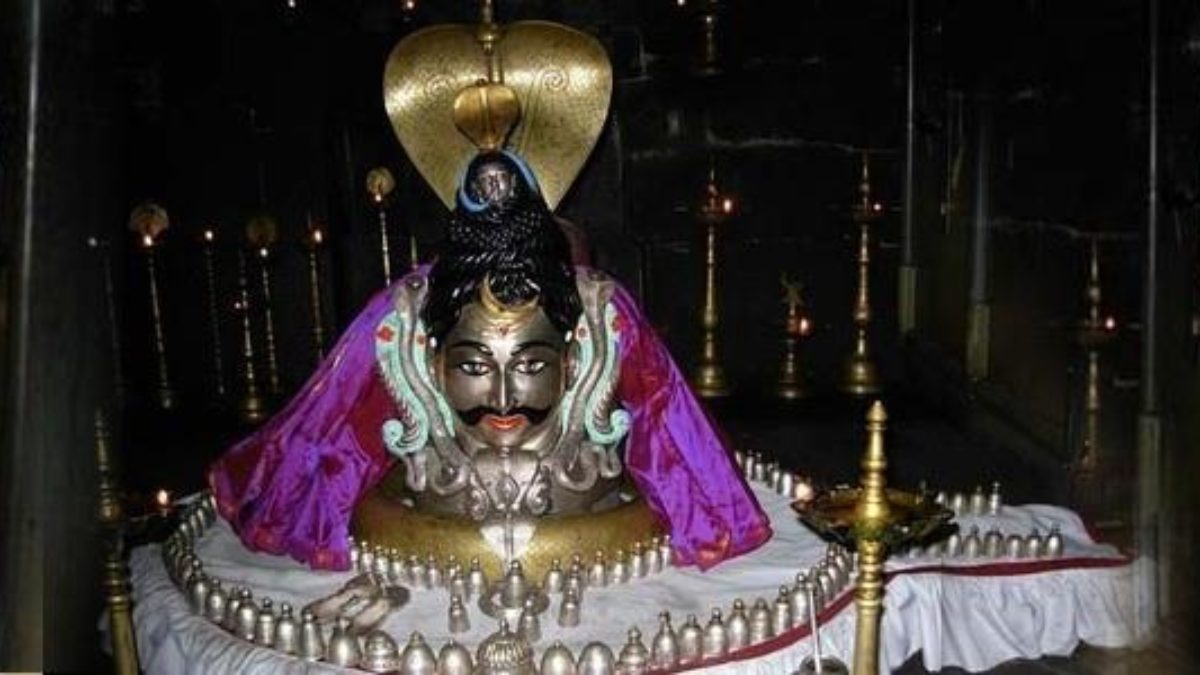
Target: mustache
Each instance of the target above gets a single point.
(472, 416)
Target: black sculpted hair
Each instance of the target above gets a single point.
(515, 243)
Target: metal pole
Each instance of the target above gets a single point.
(908, 269)
(1149, 566)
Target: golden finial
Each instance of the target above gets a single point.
(487, 113)
(873, 511)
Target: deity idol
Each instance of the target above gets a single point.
(500, 404)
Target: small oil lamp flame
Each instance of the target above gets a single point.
(262, 252)
(877, 207)
(317, 236)
(805, 326)
(208, 235)
(727, 205)
(1110, 323)
(147, 241)
(162, 499)
(409, 5)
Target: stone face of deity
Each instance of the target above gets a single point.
(504, 373)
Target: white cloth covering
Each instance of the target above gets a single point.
(973, 614)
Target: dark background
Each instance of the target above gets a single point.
(221, 110)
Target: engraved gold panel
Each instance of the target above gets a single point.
(382, 520)
(562, 79)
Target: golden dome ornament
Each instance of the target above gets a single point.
(448, 87)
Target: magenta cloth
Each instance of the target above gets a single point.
(291, 486)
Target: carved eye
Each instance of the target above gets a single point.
(532, 367)
(474, 368)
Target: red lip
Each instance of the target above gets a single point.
(505, 423)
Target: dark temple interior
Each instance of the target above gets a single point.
(1012, 148)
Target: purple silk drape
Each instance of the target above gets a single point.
(291, 486)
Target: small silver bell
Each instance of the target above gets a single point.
(664, 650)
(953, 545)
(247, 616)
(1033, 545)
(826, 582)
(634, 658)
(1054, 543)
(738, 626)
(598, 571)
(417, 657)
(574, 583)
(397, 570)
(383, 562)
(264, 624)
(568, 612)
(528, 626)
(936, 549)
(637, 561)
(914, 552)
(786, 483)
(459, 621)
(355, 555)
(691, 640)
(433, 573)
(716, 640)
(773, 476)
(978, 502)
(416, 572)
(454, 659)
(311, 645)
(230, 622)
(1014, 546)
(958, 504)
(477, 581)
(343, 649)
(653, 555)
(760, 470)
(456, 583)
(748, 466)
(995, 503)
(214, 604)
(760, 622)
(287, 634)
(198, 589)
(514, 589)
(381, 655)
(973, 545)
(781, 615)
(798, 600)
(993, 543)
(739, 459)
(618, 571)
(558, 660)
(597, 659)
(552, 582)
(366, 559)
(664, 550)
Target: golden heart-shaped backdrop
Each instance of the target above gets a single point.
(563, 82)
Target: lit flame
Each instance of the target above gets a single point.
(805, 325)
(262, 252)
(681, 3)
(317, 237)
(147, 240)
(410, 5)
(877, 207)
(163, 499)
(1110, 323)
(727, 205)
(208, 235)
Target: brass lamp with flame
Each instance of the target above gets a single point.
(861, 376)
(709, 377)
(790, 384)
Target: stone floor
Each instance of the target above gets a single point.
(822, 437)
